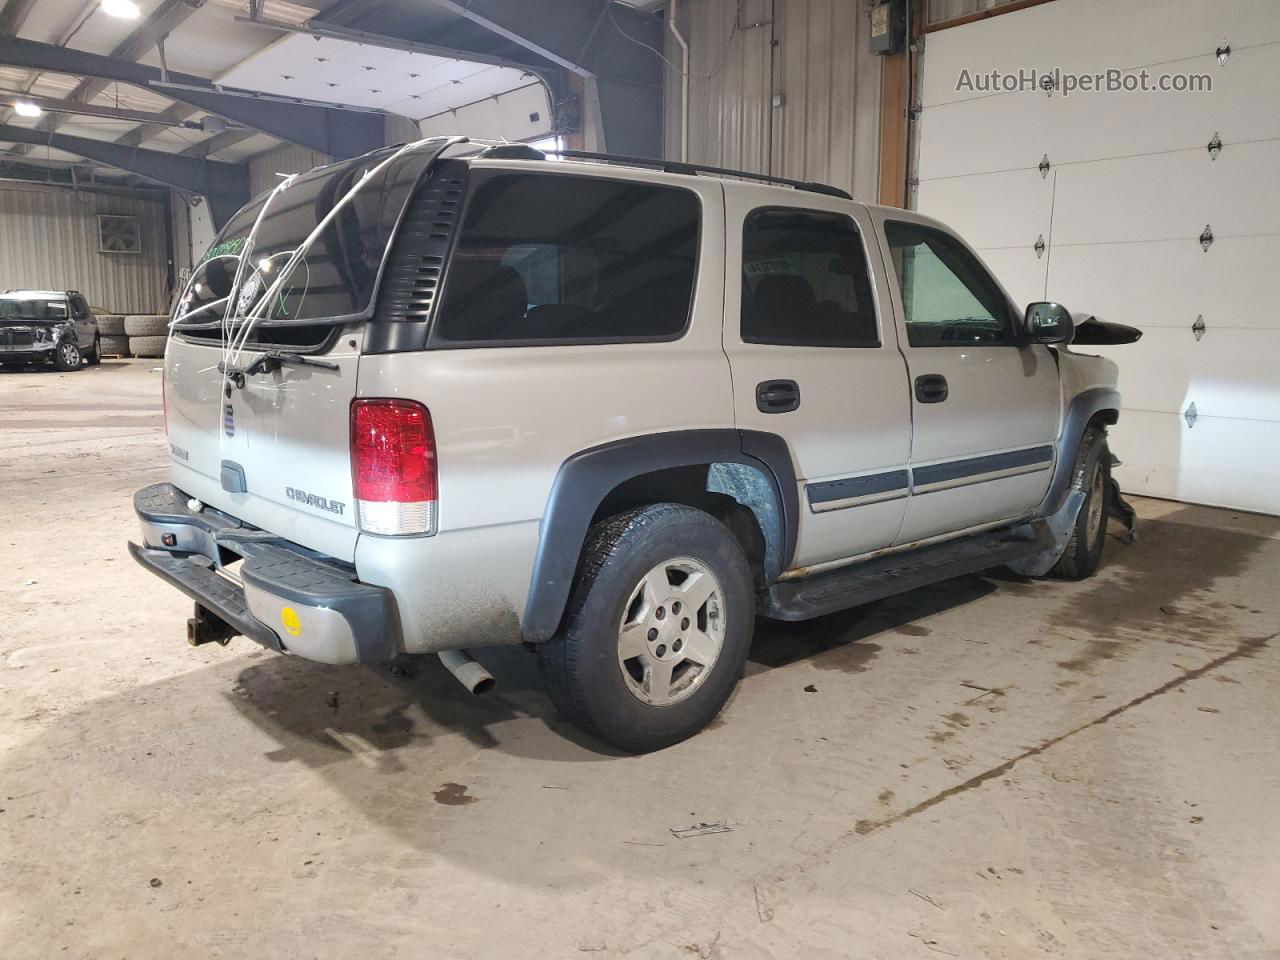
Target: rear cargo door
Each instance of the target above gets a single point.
(269, 444)
(274, 453)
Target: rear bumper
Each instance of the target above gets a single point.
(283, 596)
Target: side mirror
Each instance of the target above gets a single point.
(1048, 323)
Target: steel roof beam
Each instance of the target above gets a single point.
(337, 133)
(218, 143)
(62, 106)
(225, 184)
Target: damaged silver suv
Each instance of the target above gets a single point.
(448, 396)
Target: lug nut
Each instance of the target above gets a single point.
(662, 650)
(675, 647)
(660, 613)
(675, 607)
(653, 633)
(684, 624)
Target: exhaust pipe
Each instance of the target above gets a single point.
(470, 674)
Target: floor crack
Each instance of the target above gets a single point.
(1244, 648)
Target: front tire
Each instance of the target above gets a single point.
(66, 357)
(657, 628)
(1083, 554)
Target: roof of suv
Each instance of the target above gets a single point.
(520, 151)
(28, 294)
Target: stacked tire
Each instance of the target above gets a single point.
(147, 334)
(111, 330)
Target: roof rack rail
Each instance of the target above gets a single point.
(524, 152)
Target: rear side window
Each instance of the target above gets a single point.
(804, 281)
(552, 258)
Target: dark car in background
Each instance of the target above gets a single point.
(48, 326)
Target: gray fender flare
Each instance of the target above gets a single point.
(1083, 407)
(585, 479)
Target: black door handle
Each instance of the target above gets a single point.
(777, 396)
(931, 388)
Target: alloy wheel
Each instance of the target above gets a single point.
(671, 631)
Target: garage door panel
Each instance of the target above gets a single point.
(1152, 285)
(1219, 461)
(1233, 373)
(1132, 186)
(1149, 447)
(1017, 129)
(1093, 35)
(1019, 271)
(1000, 210)
(1170, 195)
(999, 133)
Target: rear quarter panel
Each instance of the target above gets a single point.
(505, 419)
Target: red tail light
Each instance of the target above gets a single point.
(393, 467)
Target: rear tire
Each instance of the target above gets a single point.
(66, 357)
(148, 346)
(115, 346)
(146, 326)
(95, 355)
(657, 629)
(110, 325)
(1083, 554)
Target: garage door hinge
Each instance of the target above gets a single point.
(1223, 51)
(1215, 146)
(1039, 247)
(1044, 166)
(1191, 416)
(1206, 238)
(1198, 327)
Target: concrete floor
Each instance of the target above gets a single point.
(993, 768)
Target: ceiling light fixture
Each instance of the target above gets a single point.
(124, 9)
(25, 108)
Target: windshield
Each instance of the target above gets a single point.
(336, 279)
(32, 308)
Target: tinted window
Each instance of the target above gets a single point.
(338, 276)
(948, 298)
(39, 308)
(555, 258)
(804, 281)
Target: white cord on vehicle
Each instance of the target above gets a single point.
(259, 310)
(246, 257)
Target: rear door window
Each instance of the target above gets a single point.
(554, 258)
(805, 281)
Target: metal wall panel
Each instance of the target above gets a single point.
(49, 240)
(826, 120)
(286, 158)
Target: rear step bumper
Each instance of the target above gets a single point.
(287, 598)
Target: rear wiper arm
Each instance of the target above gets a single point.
(270, 362)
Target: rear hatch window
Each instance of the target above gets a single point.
(337, 280)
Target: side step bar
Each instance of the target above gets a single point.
(859, 583)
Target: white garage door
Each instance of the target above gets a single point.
(1130, 187)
